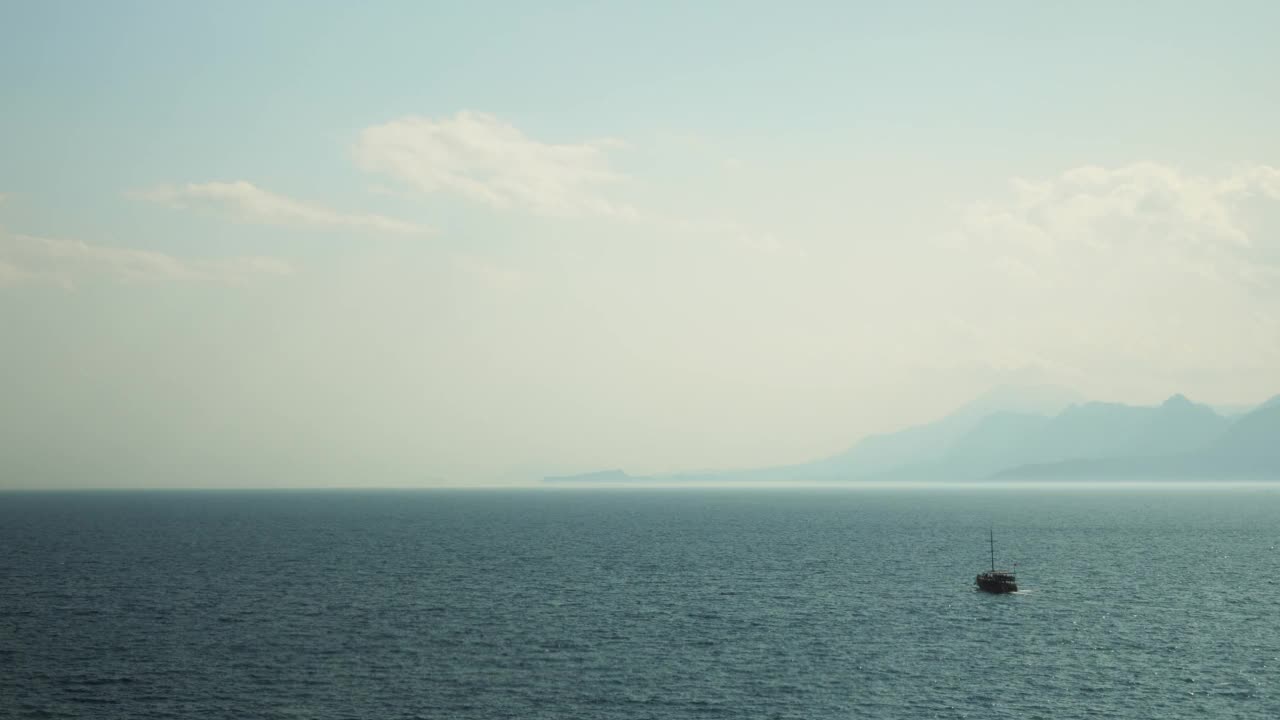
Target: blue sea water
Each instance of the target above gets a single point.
(1149, 603)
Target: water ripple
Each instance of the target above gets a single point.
(636, 605)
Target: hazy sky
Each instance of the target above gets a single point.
(292, 243)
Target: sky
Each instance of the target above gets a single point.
(251, 244)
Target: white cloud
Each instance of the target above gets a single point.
(249, 202)
(1142, 271)
(484, 160)
(1221, 226)
(487, 161)
(27, 260)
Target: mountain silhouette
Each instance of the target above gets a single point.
(1256, 434)
(1045, 432)
(1180, 440)
(925, 446)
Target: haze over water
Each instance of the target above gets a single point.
(733, 603)
(298, 244)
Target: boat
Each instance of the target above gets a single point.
(993, 580)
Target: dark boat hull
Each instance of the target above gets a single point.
(996, 585)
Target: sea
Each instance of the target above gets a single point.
(1160, 601)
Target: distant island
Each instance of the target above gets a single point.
(1042, 432)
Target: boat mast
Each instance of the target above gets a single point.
(992, 531)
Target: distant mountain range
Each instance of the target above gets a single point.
(1041, 432)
